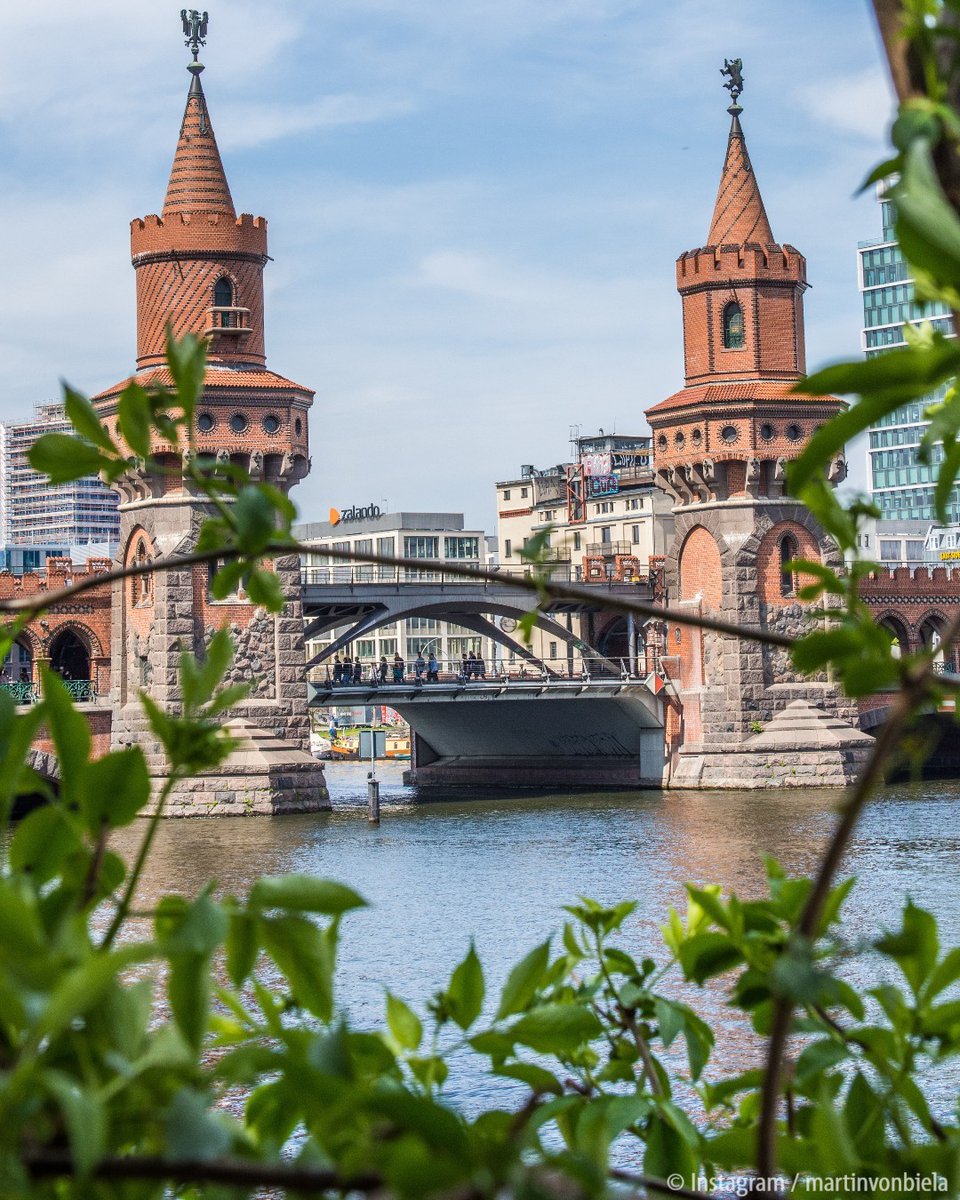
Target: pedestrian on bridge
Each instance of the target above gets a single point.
(357, 670)
(419, 667)
(337, 670)
(433, 669)
(479, 668)
(398, 668)
(464, 668)
(382, 671)
(471, 665)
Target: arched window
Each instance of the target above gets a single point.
(733, 326)
(788, 552)
(142, 584)
(223, 293)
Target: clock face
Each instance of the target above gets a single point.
(507, 624)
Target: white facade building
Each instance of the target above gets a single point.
(434, 538)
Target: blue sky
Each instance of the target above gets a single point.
(474, 205)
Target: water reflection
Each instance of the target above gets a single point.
(499, 869)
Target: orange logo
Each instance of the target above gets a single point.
(334, 516)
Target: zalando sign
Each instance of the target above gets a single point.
(369, 513)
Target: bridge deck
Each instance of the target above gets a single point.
(351, 695)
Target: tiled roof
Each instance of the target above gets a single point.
(214, 378)
(749, 392)
(198, 182)
(739, 216)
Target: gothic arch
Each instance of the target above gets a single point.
(86, 635)
(701, 567)
(895, 625)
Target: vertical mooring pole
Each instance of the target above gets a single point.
(373, 784)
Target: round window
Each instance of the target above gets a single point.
(696, 437)
(271, 423)
(205, 422)
(662, 442)
(679, 438)
(729, 433)
(794, 433)
(238, 422)
(767, 431)
(298, 427)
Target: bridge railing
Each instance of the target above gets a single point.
(560, 572)
(27, 692)
(370, 673)
(373, 573)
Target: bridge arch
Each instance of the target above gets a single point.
(70, 652)
(701, 570)
(897, 627)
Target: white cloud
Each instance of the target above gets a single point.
(859, 105)
(244, 125)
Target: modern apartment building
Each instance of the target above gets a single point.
(902, 487)
(33, 512)
(606, 516)
(602, 514)
(434, 539)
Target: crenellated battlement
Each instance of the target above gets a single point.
(190, 232)
(718, 265)
(60, 572)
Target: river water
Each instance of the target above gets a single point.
(441, 870)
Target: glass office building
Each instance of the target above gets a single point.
(902, 487)
(36, 513)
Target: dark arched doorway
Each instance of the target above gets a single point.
(69, 655)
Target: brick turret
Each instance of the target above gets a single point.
(199, 270)
(721, 445)
(199, 267)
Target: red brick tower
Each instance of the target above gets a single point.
(720, 448)
(199, 270)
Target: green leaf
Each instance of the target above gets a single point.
(817, 1057)
(404, 1023)
(84, 1117)
(538, 1079)
(63, 458)
(265, 589)
(188, 989)
(194, 1133)
(465, 991)
(187, 360)
(190, 928)
(667, 1153)
(914, 947)
(255, 519)
(305, 956)
(556, 1028)
(523, 981)
(83, 417)
(707, 954)
(928, 228)
(242, 947)
(42, 842)
(135, 419)
(946, 973)
(115, 789)
(304, 893)
(71, 737)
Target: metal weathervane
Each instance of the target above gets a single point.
(733, 69)
(195, 30)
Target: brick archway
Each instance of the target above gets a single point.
(700, 568)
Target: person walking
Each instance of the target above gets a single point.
(472, 664)
(357, 670)
(433, 669)
(383, 668)
(464, 668)
(480, 668)
(347, 670)
(398, 668)
(419, 667)
(337, 670)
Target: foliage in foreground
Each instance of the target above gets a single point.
(124, 1035)
(121, 1038)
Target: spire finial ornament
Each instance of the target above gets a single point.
(733, 69)
(195, 34)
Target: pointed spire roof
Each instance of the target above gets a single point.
(739, 216)
(198, 183)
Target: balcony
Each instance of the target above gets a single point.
(227, 321)
(611, 549)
